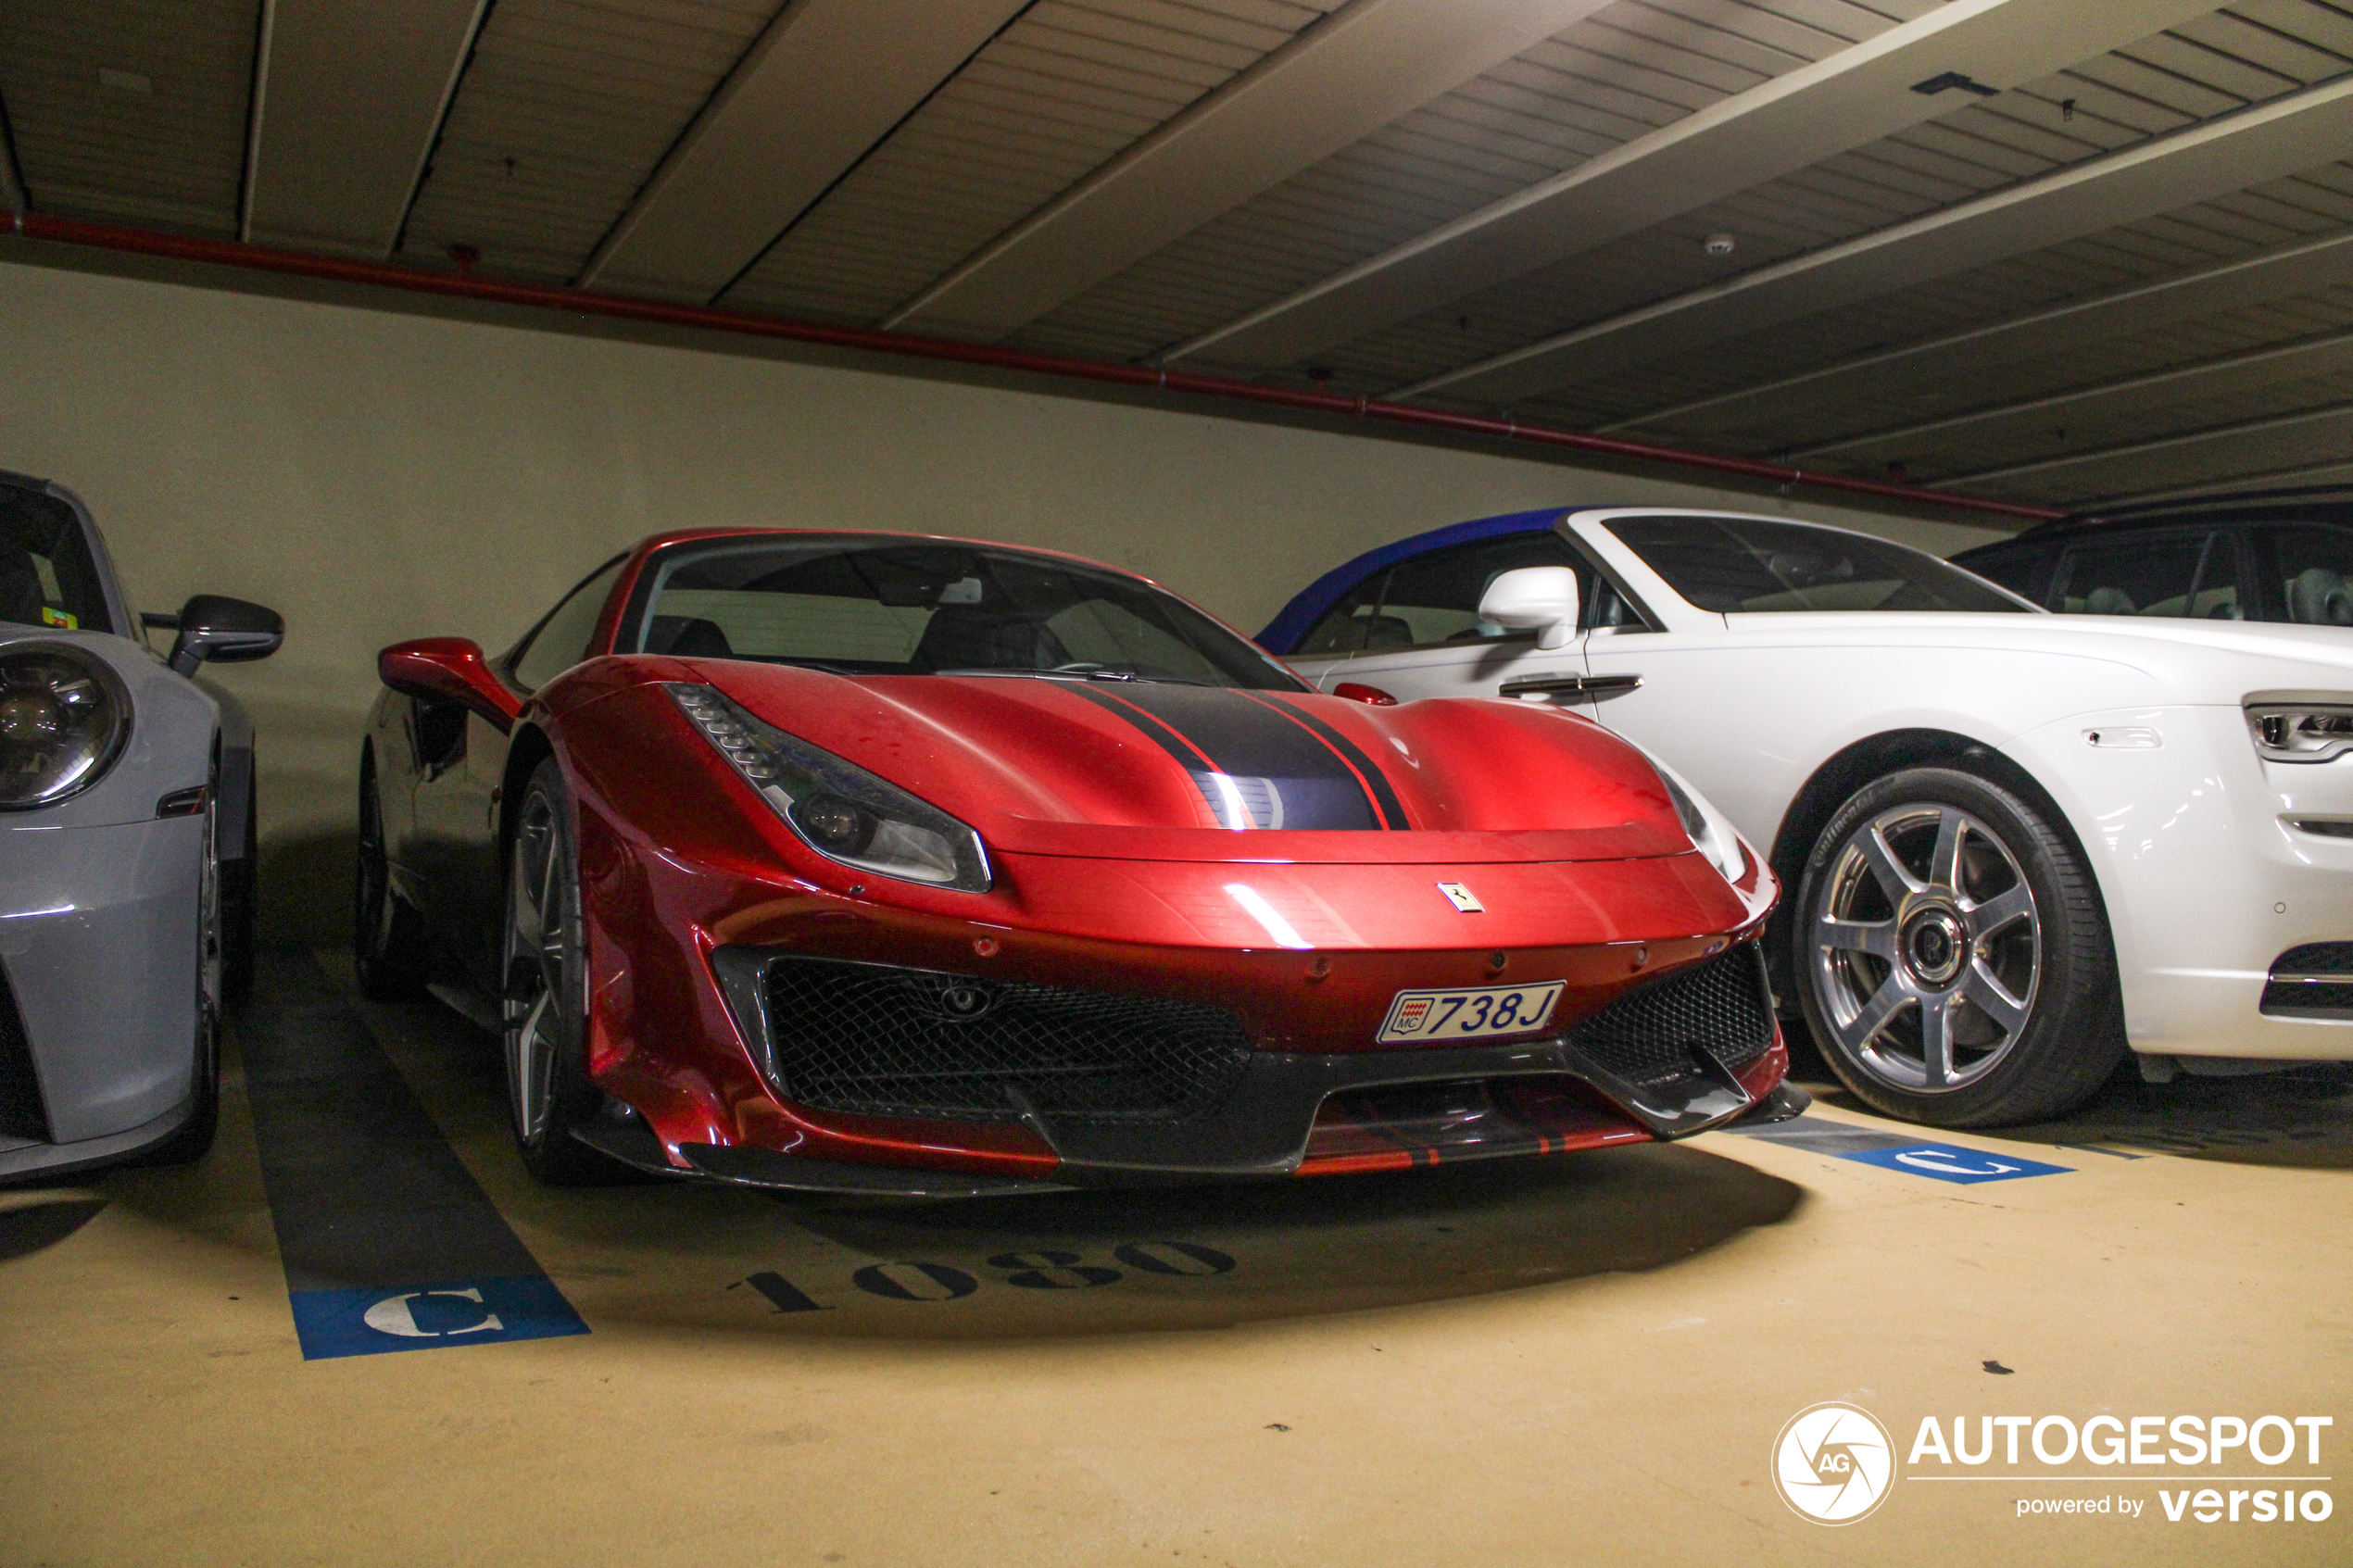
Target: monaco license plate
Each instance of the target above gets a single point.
(1471, 1013)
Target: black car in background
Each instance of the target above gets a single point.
(2284, 556)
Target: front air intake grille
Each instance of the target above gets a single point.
(884, 1041)
(1646, 1037)
(22, 1113)
(2313, 981)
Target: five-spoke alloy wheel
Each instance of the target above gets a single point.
(543, 962)
(1952, 959)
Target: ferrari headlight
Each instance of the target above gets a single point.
(1712, 835)
(63, 719)
(2291, 727)
(837, 809)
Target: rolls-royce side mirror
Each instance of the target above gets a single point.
(1542, 599)
(450, 670)
(217, 629)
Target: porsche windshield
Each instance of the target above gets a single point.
(882, 606)
(1749, 566)
(47, 577)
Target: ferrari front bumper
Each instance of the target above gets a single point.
(1282, 1113)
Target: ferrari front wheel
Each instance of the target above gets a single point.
(1955, 964)
(545, 1005)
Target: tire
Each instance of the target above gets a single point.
(194, 1138)
(388, 943)
(542, 964)
(1952, 956)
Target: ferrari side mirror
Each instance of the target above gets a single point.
(216, 628)
(1542, 599)
(449, 670)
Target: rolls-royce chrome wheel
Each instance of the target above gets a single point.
(1952, 959)
(1926, 946)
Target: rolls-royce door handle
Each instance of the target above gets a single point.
(1599, 688)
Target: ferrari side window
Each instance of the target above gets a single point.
(563, 639)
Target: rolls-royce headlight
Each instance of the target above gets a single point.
(2299, 727)
(836, 808)
(1712, 834)
(63, 719)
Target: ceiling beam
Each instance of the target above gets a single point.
(2325, 468)
(347, 101)
(820, 87)
(1874, 380)
(1847, 100)
(2330, 423)
(2247, 148)
(2323, 354)
(1336, 83)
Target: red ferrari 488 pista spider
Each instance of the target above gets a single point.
(885, 863)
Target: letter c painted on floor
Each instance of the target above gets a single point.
(394, 1315)
(1934, 1161)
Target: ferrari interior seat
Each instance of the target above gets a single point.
(689, 636)
(966, 637)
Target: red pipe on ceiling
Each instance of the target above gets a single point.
(227, 253)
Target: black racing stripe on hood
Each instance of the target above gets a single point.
(1247, 757)
(1392, 810)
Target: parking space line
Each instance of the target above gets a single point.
(387, 1241)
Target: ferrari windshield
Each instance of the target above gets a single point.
(879, 606)
(1752, 566)
(47, 577)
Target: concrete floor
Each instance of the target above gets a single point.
(1539, 1361)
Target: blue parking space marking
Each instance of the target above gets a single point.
(1943, 1162)
(387, 1241)
(372, 1321)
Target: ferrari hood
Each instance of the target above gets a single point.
(1153, 771)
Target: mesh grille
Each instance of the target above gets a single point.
(21, 1113)
(1646, 1036)
(883, 1041)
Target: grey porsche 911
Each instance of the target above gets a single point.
(126, 849)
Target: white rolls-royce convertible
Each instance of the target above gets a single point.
(2015, 843)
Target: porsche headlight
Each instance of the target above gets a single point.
(1712, 835)
(837, 809)
(63, 719)
(2292, 727)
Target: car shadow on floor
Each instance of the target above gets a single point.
(1075, 1262)
(2300, 1117)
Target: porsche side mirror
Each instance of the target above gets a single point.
(1542, 599)
(449, 670)
(218, 629)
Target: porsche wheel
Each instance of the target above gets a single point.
(543, 962)
(387, 939)
(1954, 965)
(195, 1136)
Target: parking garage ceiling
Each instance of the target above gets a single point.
(2040, 250)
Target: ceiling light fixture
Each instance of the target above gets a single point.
(1718, 244)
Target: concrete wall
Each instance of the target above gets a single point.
(378, 475)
